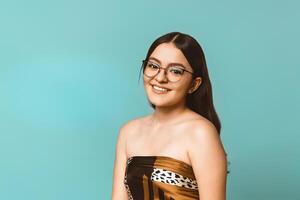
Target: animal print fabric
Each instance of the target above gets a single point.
(159, 178)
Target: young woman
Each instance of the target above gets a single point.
(175, 152)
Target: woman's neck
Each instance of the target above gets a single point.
(166, 115)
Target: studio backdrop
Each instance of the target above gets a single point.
(69, 80)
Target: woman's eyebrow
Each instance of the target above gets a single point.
(155, 59)
(168, 64)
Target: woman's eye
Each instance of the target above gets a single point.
(177, 71)
(152, 65)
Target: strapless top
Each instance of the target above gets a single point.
(159, 178)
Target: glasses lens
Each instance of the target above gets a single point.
(151, 69)
(174, 73)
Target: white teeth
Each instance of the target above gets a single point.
(158, 88)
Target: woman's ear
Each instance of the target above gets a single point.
(195, 84)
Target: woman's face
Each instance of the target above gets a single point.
(162, 56)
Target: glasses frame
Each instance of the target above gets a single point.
(159, 68)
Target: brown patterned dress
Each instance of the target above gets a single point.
(159, 178)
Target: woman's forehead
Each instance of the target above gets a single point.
(166, 53)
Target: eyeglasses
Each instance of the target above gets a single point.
(174, 73)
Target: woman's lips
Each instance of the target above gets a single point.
(159, 90)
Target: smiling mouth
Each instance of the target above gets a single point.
(159, 90)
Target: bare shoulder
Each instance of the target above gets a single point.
(203, 140)
(204, 144)
(198, 126)
(132, 126)
(202, 129)
(208, 158)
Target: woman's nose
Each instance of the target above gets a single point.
(161, 75)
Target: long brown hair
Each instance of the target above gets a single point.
(201, 100)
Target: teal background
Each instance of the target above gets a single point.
(69, 80)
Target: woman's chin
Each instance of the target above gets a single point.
(160, 102)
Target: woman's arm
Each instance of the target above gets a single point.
(208, 160)
(119, 191)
